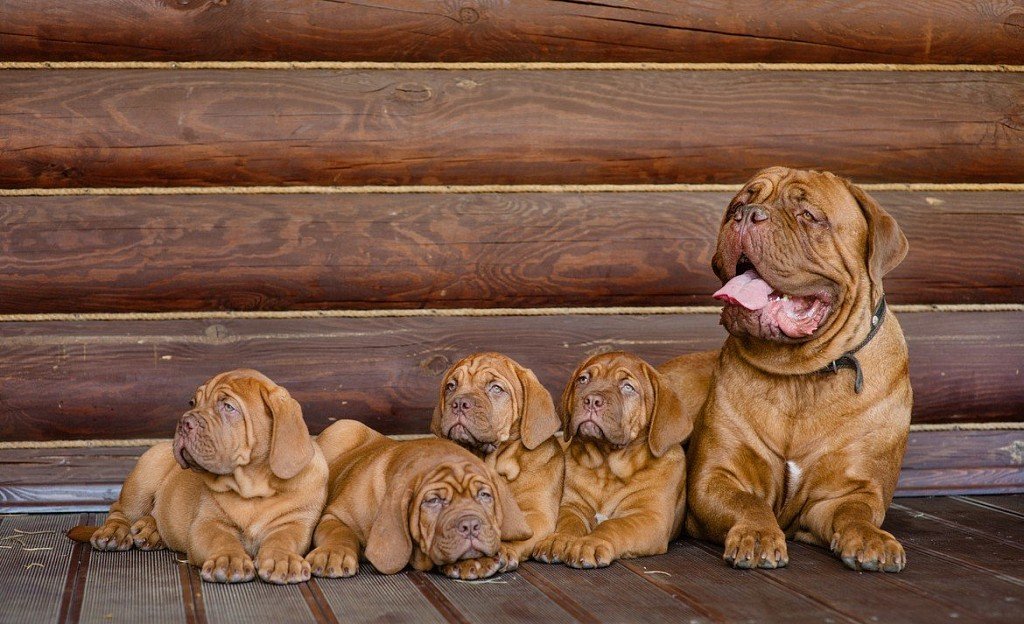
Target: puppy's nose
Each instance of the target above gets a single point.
(468, 526)
(462, 403)
(189, 423)
(750, 214)
(593, 401)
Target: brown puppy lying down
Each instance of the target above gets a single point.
(625, 473)
(251, 483)
(497, 409)
(809, 408)
(424, 503)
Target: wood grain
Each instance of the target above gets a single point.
(220, 127)
(133, 379)
(527, 30)
(279, 252)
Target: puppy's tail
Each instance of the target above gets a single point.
(82, 533)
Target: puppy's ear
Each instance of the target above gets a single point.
(435, 421)
(514, 527)
(667, 424)
(538, 420)
(567, 400)
(887, 245)
(389, 544)
(291, 448)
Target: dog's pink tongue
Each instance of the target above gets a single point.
(747, 290)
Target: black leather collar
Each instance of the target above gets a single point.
(849, 359)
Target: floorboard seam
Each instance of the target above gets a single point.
(317, 603)
(987, 505)
(914, 513)
(557, 596)
(74, 586)
(438, 600)
(676, 593)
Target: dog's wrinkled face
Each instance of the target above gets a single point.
(455, 514)
(241, 418)
(610, 399)
(793, 245)
(481, 397)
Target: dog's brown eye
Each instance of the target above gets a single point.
(449, 386)
(485, 496)
(496, 389)
(433, 501)
(228, 407)
(628, 388)
(583, 379)
(191, 402)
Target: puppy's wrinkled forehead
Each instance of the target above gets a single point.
(461, 477)
(483, 365)
(614, 365)
(242, 384)
(782, 185)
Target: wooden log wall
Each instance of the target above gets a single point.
(301, 219)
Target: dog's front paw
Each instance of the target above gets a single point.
(282, 567)
(553, 548)
(145, 534)
(332, 562)
(589, 552)
(113, 535)
(229, 567)
(866, 547)
(472, 569)
(508, 558)
(748, 546)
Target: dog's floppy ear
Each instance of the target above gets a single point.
(887, 245)
(514, 527)
(389, 544)
(291, 448)
(538, 420)
(667, 424)
(435, 421)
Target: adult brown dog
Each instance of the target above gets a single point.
(497, 409)
(423, 502)
(808, 411)
(251, 483)
(625, 472)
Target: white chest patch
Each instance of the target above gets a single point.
(599, 518)
(793, 473)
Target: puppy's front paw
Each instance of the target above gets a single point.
(749, 546)
(553, 548)
(472, 569)
(332, 563)
(228, 568)
(508, 558)
(589, 552)
(866, 547)
(282, 567)
(113, 535)
(145, 534)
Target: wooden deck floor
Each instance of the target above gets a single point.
(965, 564)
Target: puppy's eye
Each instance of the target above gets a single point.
(433, 501)
(485, 497)
(628, 388)
(191, 402)
(496, 389)
(450, 386)
(582, 379)
(229, 408)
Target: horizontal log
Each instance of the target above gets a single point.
(279, 127)
(132, 379)
(89, 479)
(278, 252)
(948, 31)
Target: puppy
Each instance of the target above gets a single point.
(625, 474)
(497, 409)
(242, 479)
(424, 503)
(809, 406)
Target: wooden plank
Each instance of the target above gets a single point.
(618, 594)
(34, 569)
(962, 462)
(528, 30)
(507, 599)
(275, 252)
(1005, 502)
(132, 379)
(921, 531)
(133, 586)
(373, 597)
(727, 595)
(211, 127)
(243, 603)
(963, 515)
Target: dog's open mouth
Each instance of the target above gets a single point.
(794, 316)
